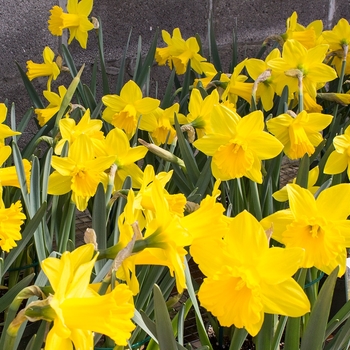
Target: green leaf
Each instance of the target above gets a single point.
(314, 335)
(164, 328)
(237, 340)
(303, 171)
(102, 59)
(168, 98)
(213, 48)
(30, 89)
(120, 80)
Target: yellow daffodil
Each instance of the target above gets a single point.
(179, 52)
(282, 194)
(76, 20)
(200, 110)
(47, 69)
(308, 36)
(300, 134)
(124, 111)
(339, 159)
(117, 145)
(322, 230)
(338, 36)
(5, 131)
(160, 124)
(342, 99)
(77, 310)
(70, 131)
(55, 100)
(80, 172)
(248, 279)
(236, 85)
(238, 145)
(338, 40)
(309, 63)
(264, 78)
(11, 220)
(209, 71)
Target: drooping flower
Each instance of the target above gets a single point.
(296, 58)
(248, 279)
(301, 133)
(238, 145)
(77, 310)
(124, 111)
(179, 52)
(322, 230)
(80, 172)
(76, 20)
(47, 69)
(55, 101)
(339, 160)
(11, 220)
(70, 131)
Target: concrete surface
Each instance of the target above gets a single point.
(24, 32)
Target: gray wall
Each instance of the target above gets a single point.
(24, 33)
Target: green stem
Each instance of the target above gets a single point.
(265, 335)
(237, 340)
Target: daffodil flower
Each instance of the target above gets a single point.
(322, 230)
(248, 279)
(11, 220)
(124, 111)
(308, 62)
(47, 69)
(238, 145)
(339, 160)
(77, 310)
(76, 20)
(70, 131)
(179, 52)
(307, 36)
(55, 100)
(200, 110)
(117, 145)
(80, 172)
(300, 134)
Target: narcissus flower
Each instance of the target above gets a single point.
(5, 131)
(47, 69)
(300, 134)
(70, 131)
(200, 110)
(77, 310)
(76, 20)
(117, 145)
(339, 36)
(264, 78)
(339, 159)
(80, 172)
(11, 220)
(322, 230)
(238, 145)
(308, 36)
(124, 111)
(248, 279)
(179, 52)
(55, 100)
(295, 57)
